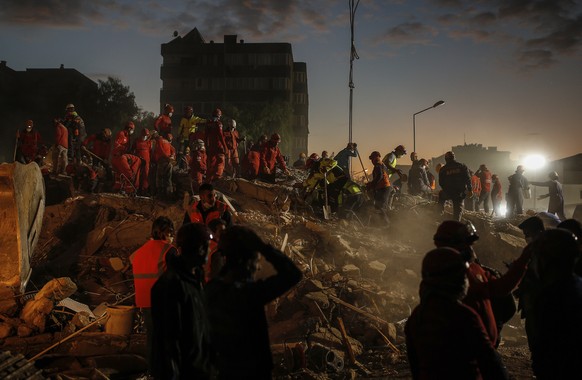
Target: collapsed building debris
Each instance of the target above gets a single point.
(345, 319)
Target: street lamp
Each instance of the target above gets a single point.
(534, 162)
(440, 102)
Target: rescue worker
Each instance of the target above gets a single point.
(343, 157)
(216, 147)
(517, 185)
(556, 203)
(471, 202)
(455, 181)
(300, 163)
(390, 161)
(215, 260)
(29, 141)
(483, 285)
(163, 124)
(124, 163)
(236, 304)
(324, 154)
(312, 163)
(60, 148)
(188, 126)
(485, 178)
(148, 263)
(418, 183)
(446, 339)
(207, 208)
(328, 174)
(252, 163)
(181, 338)
(142, 148)
(232, 139)
(557, 350)
(270, 157)
(77, 131)
(165, 158)
(197, 164)
(496, 195)
(380, 183)
(99, 144)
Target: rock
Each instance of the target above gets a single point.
(35, 311)
(5, 330)
(57, 289)
(24, 331)
(312, 285)
(375, 269)
(8, 305)
(351, 271)
(319, 297)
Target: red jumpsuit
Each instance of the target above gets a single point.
(29, 142)
(216, 149)
(164, 153)
(98, 146)
(270, 156)
(232, 138)
(163, 125)
(197, 168)
(125, 163)
(143, 149)
(252, 162)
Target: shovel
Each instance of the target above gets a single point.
(326, 208)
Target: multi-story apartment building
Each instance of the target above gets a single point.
(209, 75)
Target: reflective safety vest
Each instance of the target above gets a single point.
(211, 214)
(149, 262)
(384, 181)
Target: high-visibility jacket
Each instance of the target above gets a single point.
(476, 184)
(486, 181)
(148, 264)
(214, 212)
(188, 126)
(380, 177)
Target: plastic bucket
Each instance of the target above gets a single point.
(120, 321)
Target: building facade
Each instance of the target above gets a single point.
(209, 75)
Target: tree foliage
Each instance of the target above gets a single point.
(115, 104)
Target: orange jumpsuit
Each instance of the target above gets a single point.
(125, 163)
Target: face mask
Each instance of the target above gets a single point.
(170, 239)
(170, 114)
(145, 138)
(28, 129)
(131, 131)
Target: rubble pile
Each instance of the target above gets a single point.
(344, 320)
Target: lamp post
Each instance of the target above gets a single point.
(440, 102)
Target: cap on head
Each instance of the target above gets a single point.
(482, 167)
(28, 123)
(452, 233)
(107, 132)
(553, 175)
(129, 125)
(302, 155)
(520, 169)
(217, 112)
(442, 264)
(70, 107)
(233, 123)
(423, 162)
(276, 137)
(533, 224)
(188, 109)
(324, 154)
(374, 154)
(168, 108)
(449, 156)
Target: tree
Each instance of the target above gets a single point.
(115, 104)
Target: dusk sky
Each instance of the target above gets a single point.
(510, 71)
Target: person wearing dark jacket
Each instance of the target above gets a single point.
(556, 204)
(181, 338)
(418, 183)
(556, 352)
(455, 180)
(446, 339)
(343, 157)
(517, 185)
(236, 304)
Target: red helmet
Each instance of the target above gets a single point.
(374, 155)
(28, 123)
(451, 233)
(443, 263)
(217, 112)
(188, 109)
(276, 137)
(168, 108)
(129, 125)
(400, 148)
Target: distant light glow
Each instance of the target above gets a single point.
(534, 161)
(502, 209)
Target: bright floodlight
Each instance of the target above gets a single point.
(534, 161)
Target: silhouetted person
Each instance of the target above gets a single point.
(236, 302)
(446, 339)
(556, 203)
(181, 341)
(517, 185)
(557, 351)
(575, 227)
(455, 180)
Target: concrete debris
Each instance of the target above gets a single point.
(355, 270)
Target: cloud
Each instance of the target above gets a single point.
(56, 13)
(407, 33)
